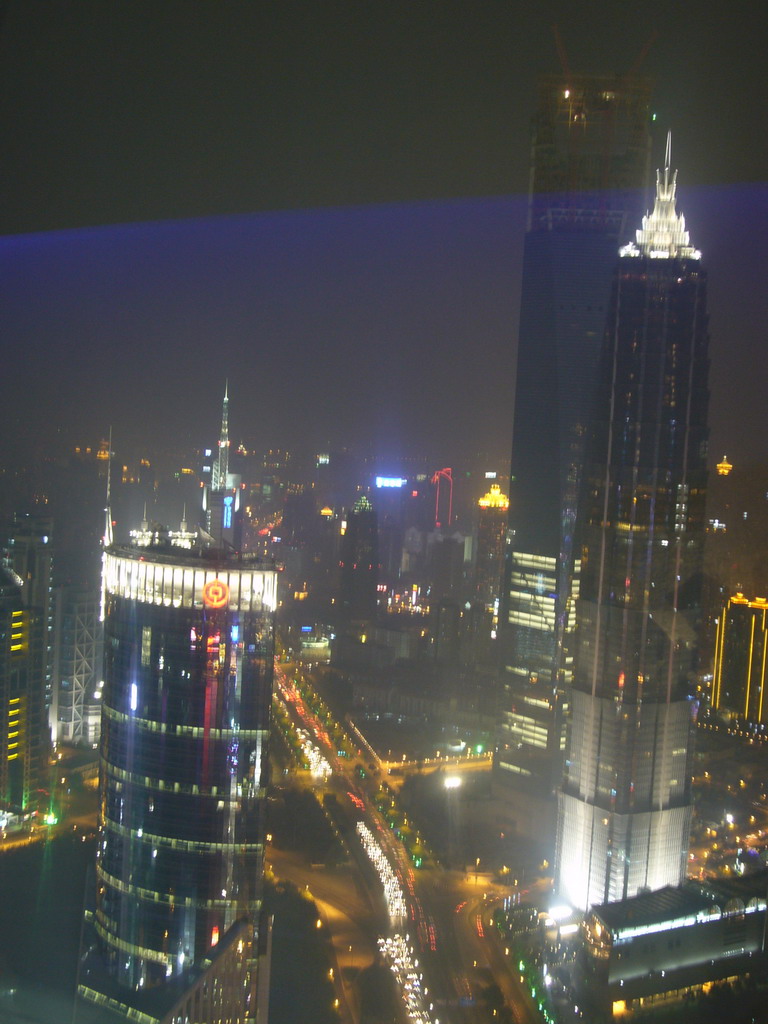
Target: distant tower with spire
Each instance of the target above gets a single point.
(624, 808)
(221, 465)
(221, 501)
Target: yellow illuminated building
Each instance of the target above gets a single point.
(494, 499)
(741, 650)
(22, 704)
(491, 531)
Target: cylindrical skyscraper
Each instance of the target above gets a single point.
(185, 721)
(625, 806)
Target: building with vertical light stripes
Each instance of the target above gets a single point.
(741, 660)
(624, 808)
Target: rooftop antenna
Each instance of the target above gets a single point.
(108, 538)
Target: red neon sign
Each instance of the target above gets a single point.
(215, 594)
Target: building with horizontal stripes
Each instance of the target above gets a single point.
(188, 662)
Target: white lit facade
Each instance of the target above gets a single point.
(624, 809)
(531, 737)
(173, 584)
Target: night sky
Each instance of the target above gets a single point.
(325, 203)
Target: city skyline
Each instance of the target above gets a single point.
(294, 294)
(280, 717)
(359, 137)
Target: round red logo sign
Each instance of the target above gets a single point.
(215, 594)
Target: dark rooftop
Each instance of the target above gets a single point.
(671, 903)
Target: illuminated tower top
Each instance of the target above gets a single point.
(221, 501)
(221, 465)
(494, 499)
(663, 234)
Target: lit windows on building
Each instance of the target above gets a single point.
(741, 660)
(625, 804)
(189, 648)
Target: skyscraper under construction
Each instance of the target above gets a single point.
(625, 805)
(590, 160)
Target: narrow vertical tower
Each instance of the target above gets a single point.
(625, 806)
(221, 465)
(221, 501)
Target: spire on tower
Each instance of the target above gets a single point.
(221, 465)
(663, 234)
(108, 533)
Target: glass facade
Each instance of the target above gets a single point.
(189, 640)
(625, 805)
(532, 728)
(590, 156)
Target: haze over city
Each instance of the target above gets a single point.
(383, 513)
(112, 115)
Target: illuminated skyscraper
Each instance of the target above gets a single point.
(625, 806)
(492, 515)
(741, 661)
(221, 501)
(29, 555)
(189, 649)
(24, 734)
(590, 158)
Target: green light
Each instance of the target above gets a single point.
(50, 819)
(479, 748)
(653, 117)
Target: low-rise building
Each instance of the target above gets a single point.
(674, 943)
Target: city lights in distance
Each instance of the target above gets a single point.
(391, 481)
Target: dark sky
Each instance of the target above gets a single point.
(372, 159)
